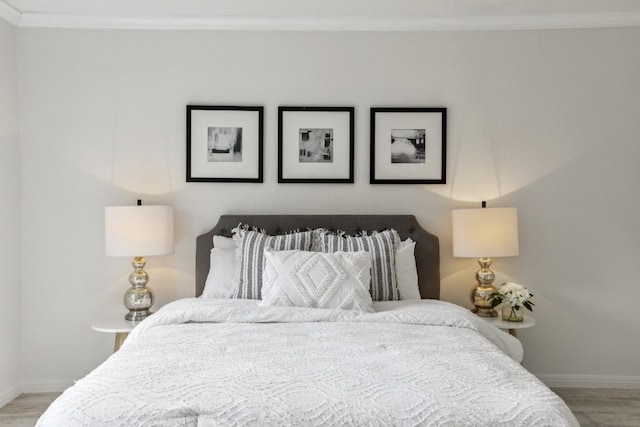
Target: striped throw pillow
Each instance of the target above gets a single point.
(250, 254)
(382, 246)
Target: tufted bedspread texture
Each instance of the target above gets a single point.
(234, 363)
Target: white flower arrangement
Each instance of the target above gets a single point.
(514, 295)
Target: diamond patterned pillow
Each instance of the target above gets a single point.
(318, 280)
(382, 246)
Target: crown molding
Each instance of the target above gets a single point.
(9, 13)
(248, 23)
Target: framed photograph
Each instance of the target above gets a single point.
(315, 144)
(224, 143)
(408, 146)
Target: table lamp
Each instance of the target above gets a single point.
(138, 231)
(484, 233)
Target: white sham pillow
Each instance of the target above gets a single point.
(406, 270)
(221, 281)
(222, 242)
(318, 280)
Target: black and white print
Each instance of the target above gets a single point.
(316, 145)
(224, 144)
(408, 146)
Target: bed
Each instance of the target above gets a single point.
(211, 361)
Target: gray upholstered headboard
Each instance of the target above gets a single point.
(427, 250)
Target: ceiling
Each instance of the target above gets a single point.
(370, 15)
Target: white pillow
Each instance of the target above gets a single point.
(221, 282)
(406, 270)
(222, 242)
(319, 280)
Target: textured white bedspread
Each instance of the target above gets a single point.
(232, 362)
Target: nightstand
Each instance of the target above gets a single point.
(114, 325)
(512, 327)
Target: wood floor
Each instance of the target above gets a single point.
(24, 410)
(603, 407)
(592, 407)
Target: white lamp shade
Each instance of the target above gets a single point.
(138, 230)
(486, 232)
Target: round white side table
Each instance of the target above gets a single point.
(114, 325)
(512, 327)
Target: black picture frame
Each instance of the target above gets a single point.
(329, 162)
(409, 162)
(242, 125)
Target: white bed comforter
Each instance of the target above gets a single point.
(232, 362)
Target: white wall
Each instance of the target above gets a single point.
(547, 120)
(9, 217)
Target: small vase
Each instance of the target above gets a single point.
(512, 314)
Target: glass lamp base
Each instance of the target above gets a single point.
(485, 312)
(136, 316)
(138, 299)
(481, 295)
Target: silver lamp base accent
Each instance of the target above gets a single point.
(138, 299)
(481, 295)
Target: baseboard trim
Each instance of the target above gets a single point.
(341, 23)
(8, 395)
(9, 13)
(46, 386)
(591, 381)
